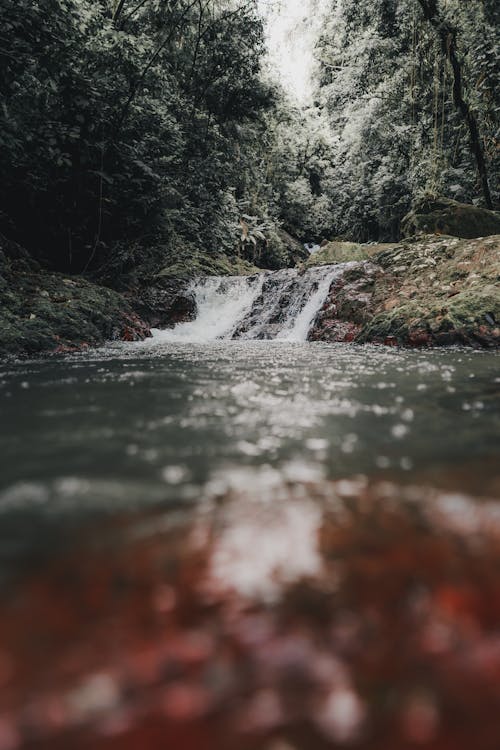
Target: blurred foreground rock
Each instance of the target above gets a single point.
(199, 630)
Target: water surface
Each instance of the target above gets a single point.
(266, 545)
(134, 425)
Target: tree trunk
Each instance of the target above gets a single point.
(448, 38)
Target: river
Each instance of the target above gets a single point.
(141, 424)
(177, 495)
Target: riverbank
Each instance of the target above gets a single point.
(424, 291)
(44, 312)
(427, 290)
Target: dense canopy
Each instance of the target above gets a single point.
(139, 132)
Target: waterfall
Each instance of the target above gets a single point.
(221, 301)
(302, 323)
(280, 305)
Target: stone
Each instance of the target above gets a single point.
(375, 302)
(448, 217)
(40, 313)
(446, 309)
(336, 252)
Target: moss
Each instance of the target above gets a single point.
(446, 216)
(337, 252)
(188, 266)
(475, 306)
(41, 312)
(437, 290)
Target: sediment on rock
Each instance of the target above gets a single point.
(426, 291)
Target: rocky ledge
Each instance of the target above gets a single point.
(43, 312)
(48, 312)
(425, 291)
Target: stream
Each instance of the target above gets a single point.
(206, 530)
(139, 425)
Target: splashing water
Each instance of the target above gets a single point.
(280, 305)
(305, 318)
(220, 302)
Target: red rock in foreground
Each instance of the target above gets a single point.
(321, 615)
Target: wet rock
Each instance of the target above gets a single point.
(41, 312)
(164, 303)
(271, 309)
(446, 216)
(425, 291)
(348, 307)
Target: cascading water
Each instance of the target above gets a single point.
(221, 302)
(280, 305)
(302, 323)
(288, 303)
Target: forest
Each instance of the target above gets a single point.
(134, 133)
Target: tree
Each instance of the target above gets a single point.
(126, 123)
(447, 34)
(390, 95)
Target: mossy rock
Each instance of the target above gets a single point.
(475, 306)
(191, 265)
(437, 290)
(445, 216)
(46, 312)
(338, 252)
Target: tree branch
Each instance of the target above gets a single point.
(151, 62)
(118, 9)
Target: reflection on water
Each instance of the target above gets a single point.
(261, 546)
(170, 415)
(136, 426)
(377, 627)
(259, 549)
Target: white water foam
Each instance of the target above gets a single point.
(221, 302)
(305, 318)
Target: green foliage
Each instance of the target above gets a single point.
(134, 134)
(137, 128)
(386, 88)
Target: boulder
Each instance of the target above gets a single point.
(273, 249)
(296, 252)
(425, 291)
(337, 252)
(165, 302)
(437, 291)
(348, 306)
(446, 216)
(42, 312)
(191, 263)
